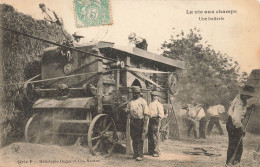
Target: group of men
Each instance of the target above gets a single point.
(236, 130)
(144, 121)
(196, 115)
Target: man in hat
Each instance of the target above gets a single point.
(234, 126)
(77, 38)
(156, 114)
(49, 15)
(139, 112)
(137, 41)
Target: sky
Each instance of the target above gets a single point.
(238, 35)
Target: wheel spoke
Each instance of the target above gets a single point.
(95, 138)
(108, 126)
(101, 135)
(96, 145)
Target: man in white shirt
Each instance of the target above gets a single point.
(139, 42)
(213, 113)
(139, 112)
(156, 114)
(201, 117)
(49, 15)
(196, 114)
(235, 130)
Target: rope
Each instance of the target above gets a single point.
(57, 44)
(56, 78)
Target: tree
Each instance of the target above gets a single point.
(209, 77)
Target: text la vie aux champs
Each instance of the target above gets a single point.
(202, 18)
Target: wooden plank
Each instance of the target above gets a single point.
(117, 79)
(124, 74)
(100, 88)
(129, 148)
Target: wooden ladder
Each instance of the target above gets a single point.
(173, 121)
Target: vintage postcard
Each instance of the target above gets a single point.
(129, 83)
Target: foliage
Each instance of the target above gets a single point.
(20, 57)
(209, 77)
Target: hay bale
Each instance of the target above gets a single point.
(19, 61)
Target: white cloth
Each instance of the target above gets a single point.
(138, 108)
(156, 109)
(196, 112)
(237, 111)
(216, 110)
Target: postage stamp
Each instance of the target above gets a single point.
(92, 13)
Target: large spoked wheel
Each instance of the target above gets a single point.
(36, 129)
(173, 83)
(102, 135)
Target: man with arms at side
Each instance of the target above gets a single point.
(157, 113)
(139, 113)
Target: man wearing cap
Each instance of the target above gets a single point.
(234, 127)
(49, 15)
(77, 38)
(137, 41)
(139, 112)
(156, 114)
(213, 113)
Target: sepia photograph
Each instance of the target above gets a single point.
(126, 83)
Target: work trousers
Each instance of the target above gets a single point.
(234, 135)
(202, 127)
(154, 136)
(192, 125)
(136, 130)
(214, 121)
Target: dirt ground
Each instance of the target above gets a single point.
(172, 154)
